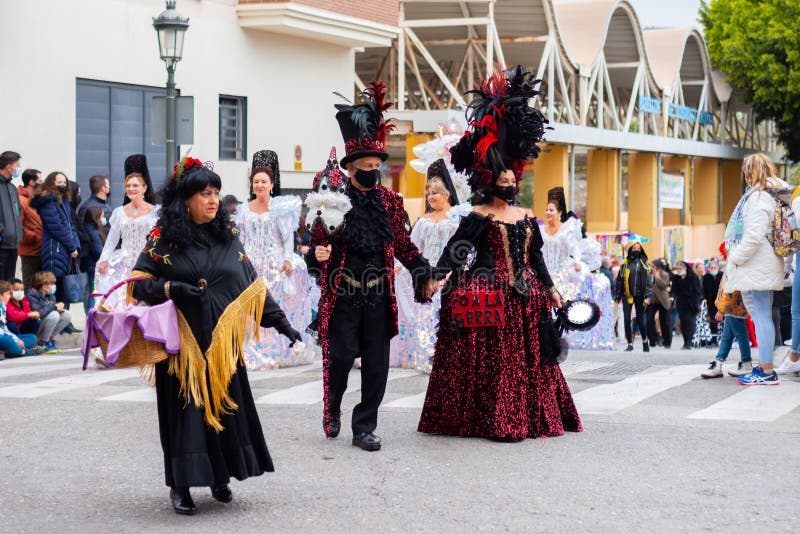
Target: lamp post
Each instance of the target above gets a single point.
(171, 29)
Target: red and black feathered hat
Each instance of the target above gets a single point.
(363, 127)
(438, 169)
(504, 128)
(330, 178)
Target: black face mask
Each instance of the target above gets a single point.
(61, 188)
(368, 179)
(635, 253)
(76, 200)
(507, 193)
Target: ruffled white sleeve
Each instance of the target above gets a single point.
(418, 233)
(114, 234)
(286, 209)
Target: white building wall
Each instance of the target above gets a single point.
(288, 81)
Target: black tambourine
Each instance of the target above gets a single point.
(580, 315)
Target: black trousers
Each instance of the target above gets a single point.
(688, 326)
(664, 320)
(8, 263)
(359, 330)
(638, 303)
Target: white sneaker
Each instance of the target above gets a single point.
(742, 369)
(714, 370)
(788, 367)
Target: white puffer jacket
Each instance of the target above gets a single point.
(752, 263)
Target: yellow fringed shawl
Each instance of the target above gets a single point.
(205, 378)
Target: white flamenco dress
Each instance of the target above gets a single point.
(121, 261)
(268, 239)
(413, 346)
(569, 258)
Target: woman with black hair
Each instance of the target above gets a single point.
(688, 293)
(497, 380)
(130, 223)
(208, 422)
(60, 242)
(635, 291)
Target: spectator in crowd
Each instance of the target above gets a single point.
(95, 224)
(711, 283)
(21, 319)
(661, 305)
(730, 309)
(688, 294)
(634, 289)
(10, 343)
(229, 204)
(54, 316)
(753, 267)
(10, 214)
(605, 268)
(100, 187)
(60, 242)
(791, 364)
(30, 248)
(702, 332)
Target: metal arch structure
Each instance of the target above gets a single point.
(596, 63)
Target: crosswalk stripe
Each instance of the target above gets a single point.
(311, 392)
(611, 398)
(66, 383)
(755, 403)
(22, 370)
(44, 359)
(148, 394)
(568, 368)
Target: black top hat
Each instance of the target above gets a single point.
(363, 127)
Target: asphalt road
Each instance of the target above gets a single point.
(662, 451)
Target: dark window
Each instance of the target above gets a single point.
(113, 122)
(232, 127)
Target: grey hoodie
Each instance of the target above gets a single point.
(10, 215)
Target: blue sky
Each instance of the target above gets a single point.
(664, 13)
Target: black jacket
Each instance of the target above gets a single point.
(10, 215)
(710, 289)
(640, 279)
(688, 292)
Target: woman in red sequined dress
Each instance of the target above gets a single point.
(493, 381)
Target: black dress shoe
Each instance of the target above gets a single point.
(222, 493)
(336, 425)
(367, 441)
(182, 501)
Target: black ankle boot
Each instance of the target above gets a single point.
(222, 493)
(182, 501)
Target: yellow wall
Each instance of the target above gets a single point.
(705, 201)
(602, 190)
(412, 183)
(643, 193)
(732, 186)
(550, 169)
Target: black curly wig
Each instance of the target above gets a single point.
(176, 224)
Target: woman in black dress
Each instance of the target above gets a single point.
(208, 422)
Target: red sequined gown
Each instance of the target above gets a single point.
(491, 382)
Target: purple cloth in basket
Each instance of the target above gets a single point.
(158, 323)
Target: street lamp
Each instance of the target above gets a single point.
(171, 29)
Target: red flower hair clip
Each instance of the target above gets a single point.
(187, 163)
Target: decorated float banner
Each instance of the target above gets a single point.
(612, 245)
(670, 191)
(673, 244)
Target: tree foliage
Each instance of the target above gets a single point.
(756, 43)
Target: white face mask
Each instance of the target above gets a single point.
(103, 221)
(18, 295)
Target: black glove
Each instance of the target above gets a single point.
(183, 292)
(292, 334)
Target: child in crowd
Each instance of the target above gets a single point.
(21, 320)
(732, 313)
(10, 343)
(53, 315)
